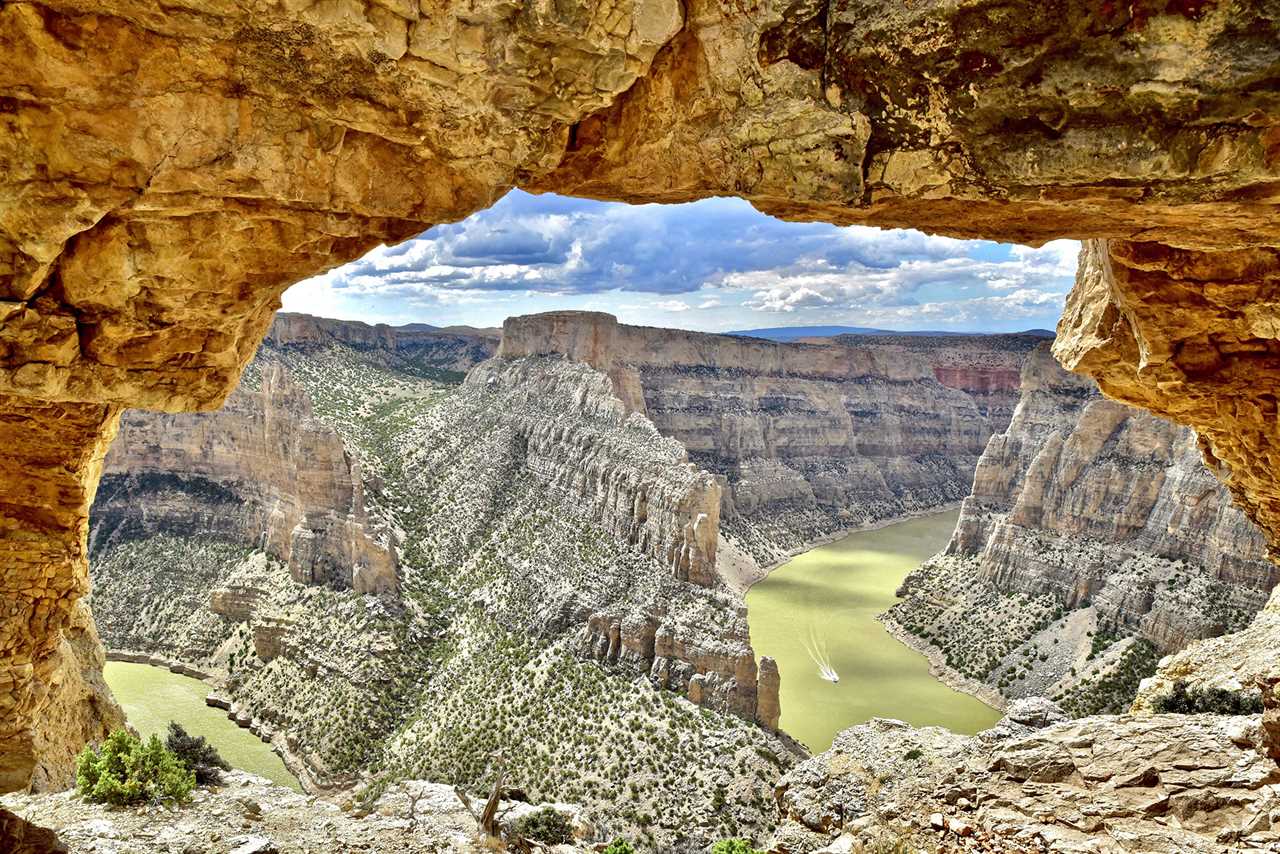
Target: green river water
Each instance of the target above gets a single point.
(826, 601)
(152, 696)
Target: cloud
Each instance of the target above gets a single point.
(715, 261)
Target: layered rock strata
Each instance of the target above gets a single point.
(1089, 522)
(167, 176)
(415, 348)
(988, 368)
(262, 471)
(809, 439)
(542, 528)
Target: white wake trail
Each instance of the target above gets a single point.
(821, 657)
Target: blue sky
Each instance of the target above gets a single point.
(713, 265)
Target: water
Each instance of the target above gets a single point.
(152, 696)
(821, 607)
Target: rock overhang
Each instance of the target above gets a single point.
(168, 173)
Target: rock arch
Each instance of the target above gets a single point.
(168, 172)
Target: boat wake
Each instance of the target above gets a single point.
(821, 657)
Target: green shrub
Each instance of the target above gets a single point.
(546, 825)
(197, 755)
(1218, 701)
(619, 846)
(127, 771)
(734, 846)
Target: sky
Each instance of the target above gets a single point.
(714, 265)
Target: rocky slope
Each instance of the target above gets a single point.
(553, 552)
(1170, 784)
(249, 815)
(1093, 542)
(809, 439)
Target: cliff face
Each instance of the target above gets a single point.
(1103, 522)
(173, 174)
(988, 368)
(415, 348)
(262, 471)
(542, 528)
(808, 438)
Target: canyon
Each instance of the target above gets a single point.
(529, 528)
(1093, 543)
(808, 439)
(215, 554)
(167, 173)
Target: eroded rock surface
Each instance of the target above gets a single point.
(249, 815)
(809, 439)
(167, 174)
(1094, 542)
(1176, 784)
(262, 471)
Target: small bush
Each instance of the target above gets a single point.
(197, 755)
(127, 771)
(619, 846)
(546, 825)
(1194, 701)
(913, 754)
(734, 846)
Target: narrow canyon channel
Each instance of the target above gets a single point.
(816, 615)
(153, 696)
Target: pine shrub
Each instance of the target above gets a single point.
(126, 770)
(197, 755)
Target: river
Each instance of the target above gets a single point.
(823, 604)
(152, 696)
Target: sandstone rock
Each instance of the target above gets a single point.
(262, 471)
(1234, 662)
(808, 439)
(1100, 518)
(768, 683)
(172, 174)
(18, 836)
(1178, 783)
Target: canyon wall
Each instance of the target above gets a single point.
(1091, 523)
(169, 175)
(412, 347)
(261, 471)
(540, 528)
(988, 368)
(809, 439)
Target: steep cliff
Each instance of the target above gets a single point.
(1094, 541)
(988, 368)
(431, 351)
(809, 439)
(262, 471)
(541, 529)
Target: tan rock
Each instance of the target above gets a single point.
(167, 176)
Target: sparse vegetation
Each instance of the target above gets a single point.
(734, 846)
(547, 825)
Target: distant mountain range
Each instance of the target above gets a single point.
(792, 333)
